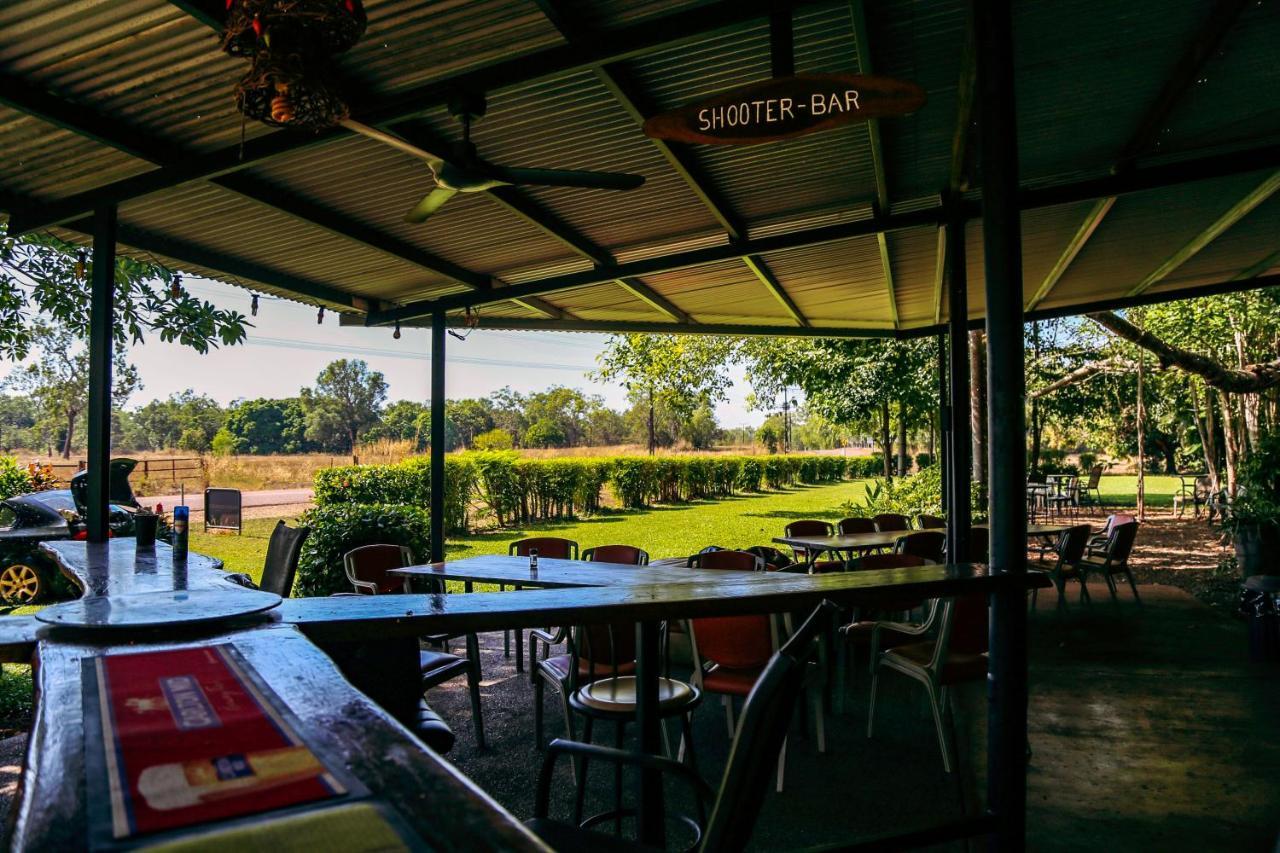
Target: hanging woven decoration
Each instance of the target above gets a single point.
(289, 44)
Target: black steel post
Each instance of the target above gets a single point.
(650, 807)
(101, 343)
(960, 465)
(437, 436)
(1007, 452)
(944, 428)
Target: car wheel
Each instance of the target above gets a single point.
(21, 584)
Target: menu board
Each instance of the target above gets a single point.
(222, 509)
(189, 736)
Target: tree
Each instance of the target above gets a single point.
(264, 426)
(45, 282)
(679, 373)
(57, 378)
(347, 399)
(544, 433)
(770, 433)
(161, 424)
(471, 418)
(17, 417)
(404, 420)
(494, 439)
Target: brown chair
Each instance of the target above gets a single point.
(807, 527)
(1068, 553)
(1098, 542)
(887, 522)
(957, 654)
(854, 526)
(742, 561)
(929, 544)
(857, 634)
(1090, 493)
(627, 555)
(765, 719)
(1113, 557)
(281, 564)
(368, 570)
(925, 521)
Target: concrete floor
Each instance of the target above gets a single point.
(1150, 731)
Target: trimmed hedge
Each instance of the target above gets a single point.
(522, 491)
(338, 528)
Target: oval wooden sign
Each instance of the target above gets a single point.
(785, 107)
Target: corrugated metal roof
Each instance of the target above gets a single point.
(1087, 72)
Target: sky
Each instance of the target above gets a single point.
(286, 349)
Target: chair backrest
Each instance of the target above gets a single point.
(1120, 541)
(887, 561)
(809, 527)
(979, 545)
(931, 522)
(854, 526)
(734, 642)
(765, 720)
(969, 629)
(367, 567)
(929, 544)
(890, 521)
(601, 649)
(734, 560)
(1072, 542)
(774, 560)
(623, 554)
(1095, 476)
(281, 564)
(548, 546)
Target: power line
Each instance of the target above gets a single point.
(315, 346)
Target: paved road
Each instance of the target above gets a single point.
(268, 497)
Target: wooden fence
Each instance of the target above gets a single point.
(156, 471)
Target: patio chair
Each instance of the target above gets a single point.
(1089, 494)
(1196, 490)
(548, 546)
(1098, 542)
(857, 634)
(929, 544)
(930, 522)
(956, 654)
(742, 561)
(627, 555)
(887, 522)
(368, 570)
(774, 560)
(1068, 551)
(762, 727)
(1063, 496)
(807, 527)
(281, 565)
(1113, 557)
(854, 526)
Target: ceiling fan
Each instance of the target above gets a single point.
(463, 171)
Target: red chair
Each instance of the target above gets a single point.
(930, 522)
(548, 546)
(887, 522)
(857, 634)
(854, 526)
(929, 544)
(368, 568)
(627, 555)
(807, 527)
(733, 560)
(957, 654)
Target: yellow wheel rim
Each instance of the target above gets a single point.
(19, 583)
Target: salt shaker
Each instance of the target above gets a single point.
(533, 559)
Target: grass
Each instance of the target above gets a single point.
(1122, 490)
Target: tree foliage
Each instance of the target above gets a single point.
(347, 399)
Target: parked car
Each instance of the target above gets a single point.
(27, 576)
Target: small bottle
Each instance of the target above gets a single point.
(181, 515)
(533, 559)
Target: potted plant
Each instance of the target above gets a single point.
(1254, 518)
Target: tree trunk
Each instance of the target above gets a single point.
(1208, 435)
(886, 440)
(652, 441)
(1142, 446)
(978, 405)
(1033, 460)
(904, 461)
(1230, 441)
(71, 431)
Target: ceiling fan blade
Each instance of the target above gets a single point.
(430, 203)
(565, 178)
(435, 161)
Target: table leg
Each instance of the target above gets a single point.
(649, 804)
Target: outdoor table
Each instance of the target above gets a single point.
(1034, 529)
(298, 649)
(841, 542)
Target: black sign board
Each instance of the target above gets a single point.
(223, 509)
(784, 107)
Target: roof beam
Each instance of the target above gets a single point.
(1192, 247)
(761, 271)
(960, 150)
(1257, 269)
(50, 107)
(614, 45)
(1146, 136)
(940, 273)
(655, 300)
(631, 327)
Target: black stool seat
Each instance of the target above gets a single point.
(433, 730)
(617, 696)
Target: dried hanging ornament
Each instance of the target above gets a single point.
(80, 265)
(253, 306)
(285, 94)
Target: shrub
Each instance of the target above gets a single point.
(750, 475)
(338, 528)
(495, 439)
(407, 482)
(633, 480)
(544, 433)
(910, 496)
(923, 460)
(865, 467)
(14, 479)
(224, 443)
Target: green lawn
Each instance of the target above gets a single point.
(665, 531)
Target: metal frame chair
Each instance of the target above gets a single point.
(281, 564)
(807, 527)
(859, 631)
(762, 728)
(743, 561)
(554, 547)
(1113, 557)
(1068, 551)
(854, 526)
(924, 521)
(929, 544)
(1090, 493)
(889, 522)
(628, 555)
(367, 568)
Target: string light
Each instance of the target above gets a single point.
(253, 306)
(396, 333)
(320, 316)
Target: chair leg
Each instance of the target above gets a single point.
(519, 650)
(537, 712)
(473, 685)
(1084, 592)
(1111, 585)
(935, 705)
(820, 726)
(871, 708)
(618, 741)
(580, 771)
(1133, 584)
(727, 701)
(782, 765)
